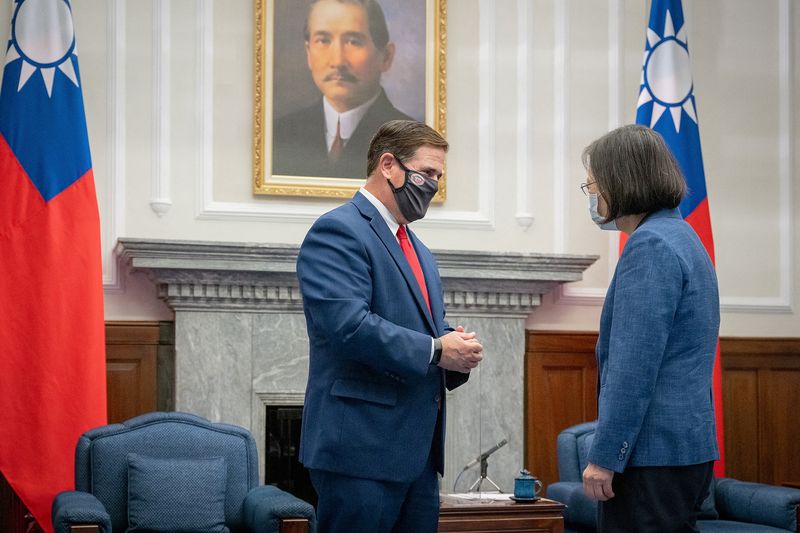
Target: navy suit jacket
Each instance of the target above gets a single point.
(299, 147)
(655, 352)
(372, 398)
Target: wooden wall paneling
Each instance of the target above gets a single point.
(740, 414)
(131, 381)
(131, 368)
(762, 434)
(561, 391)
(783, 397)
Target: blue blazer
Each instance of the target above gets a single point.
(372, 398)
(655, 352)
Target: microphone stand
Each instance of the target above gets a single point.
(476, 487)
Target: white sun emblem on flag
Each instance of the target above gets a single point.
(667, 75)
(42, 36)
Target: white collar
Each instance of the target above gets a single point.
(386, 215)
(348, 120)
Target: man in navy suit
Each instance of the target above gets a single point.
(381, 351)
(347, 50)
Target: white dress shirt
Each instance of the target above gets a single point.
(348, 120)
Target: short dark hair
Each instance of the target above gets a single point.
(402, 138)
(378, 30)
(635, 171)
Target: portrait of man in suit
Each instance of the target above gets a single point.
(348, 50)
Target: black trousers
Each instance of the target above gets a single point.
(656, 499)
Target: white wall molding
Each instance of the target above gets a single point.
(525, 89)
(114, 203)
(487, 112)
(160, 196)
(783, 303)
(204, 114)
(588, 296)
(560, 120)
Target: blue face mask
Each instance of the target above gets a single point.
(597, 218)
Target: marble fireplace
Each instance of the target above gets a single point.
(241, 346)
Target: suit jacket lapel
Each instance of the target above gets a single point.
(390, 242)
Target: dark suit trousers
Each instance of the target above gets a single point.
(656, 499)
(349, 504)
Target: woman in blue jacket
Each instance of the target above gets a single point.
(651, 461)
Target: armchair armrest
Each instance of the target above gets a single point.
(757, 503)
(265, 506)
(75, 508)
(581, 510)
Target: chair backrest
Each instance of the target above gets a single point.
(573, 447)
(101, 458)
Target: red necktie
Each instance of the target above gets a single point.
(337, 146)
(411, 255)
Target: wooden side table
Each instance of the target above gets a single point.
(542, 516)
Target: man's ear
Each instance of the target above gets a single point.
(388, 56)
(385, 164)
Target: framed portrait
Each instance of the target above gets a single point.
(327, 74)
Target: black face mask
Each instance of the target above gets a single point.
(414, 197)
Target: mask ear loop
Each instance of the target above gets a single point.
(406, 171)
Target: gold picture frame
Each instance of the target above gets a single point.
(265, 182)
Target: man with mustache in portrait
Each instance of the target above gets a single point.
(347, 49)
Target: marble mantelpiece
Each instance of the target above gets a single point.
(240, 337)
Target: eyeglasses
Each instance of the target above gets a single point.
(585, 187)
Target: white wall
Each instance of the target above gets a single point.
(168, 89)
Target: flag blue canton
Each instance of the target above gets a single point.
(41, 103)
(666, 100)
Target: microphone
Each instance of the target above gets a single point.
(486, 454)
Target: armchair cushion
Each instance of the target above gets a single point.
(754, 502)
(74, 507)
(728, 526)
(264, 506)
(176, 495)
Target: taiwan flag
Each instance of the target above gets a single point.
(52, 365)
(667, 105)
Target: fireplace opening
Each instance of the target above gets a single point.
(283, 467)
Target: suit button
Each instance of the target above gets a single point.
(436, 399)
(625, 444)
(620, 457)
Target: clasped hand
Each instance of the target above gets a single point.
(461, 351)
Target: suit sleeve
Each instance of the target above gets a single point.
(649, 283)
(335, 277)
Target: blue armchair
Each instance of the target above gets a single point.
(172, 472)
(732, 506)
